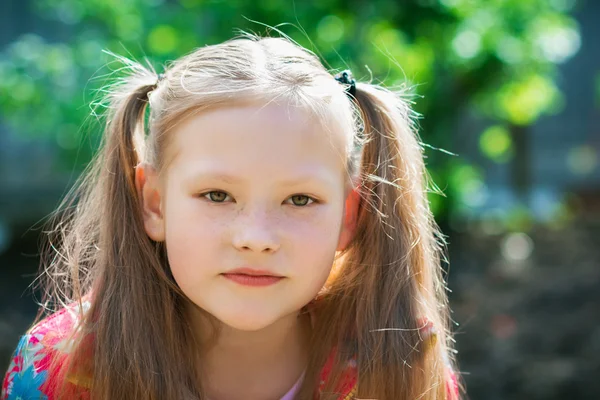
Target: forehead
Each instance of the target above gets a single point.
(269, 139)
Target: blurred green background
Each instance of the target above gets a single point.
(509, 97)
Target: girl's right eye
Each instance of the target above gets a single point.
(216, 196)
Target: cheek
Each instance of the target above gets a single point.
(192, 239)
(315, 246)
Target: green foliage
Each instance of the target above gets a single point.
(497, 57)
(495, 142)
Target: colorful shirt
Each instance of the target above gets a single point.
(27, 376)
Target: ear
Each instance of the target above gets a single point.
(147, 184)
(350, 219)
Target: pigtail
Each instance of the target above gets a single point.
(128, 254)
(107, 257)
(390, 289)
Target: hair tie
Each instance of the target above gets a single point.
(346, 78)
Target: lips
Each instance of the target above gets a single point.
(252, 277)
(252, 272)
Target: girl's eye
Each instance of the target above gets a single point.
(301, 200)
(215, 196)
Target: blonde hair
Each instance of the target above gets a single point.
(382, 284)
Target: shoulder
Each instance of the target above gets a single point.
(28, 374)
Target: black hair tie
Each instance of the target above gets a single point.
(346, 78)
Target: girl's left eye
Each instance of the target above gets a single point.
(301, 200)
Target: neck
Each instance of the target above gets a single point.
(261, 364)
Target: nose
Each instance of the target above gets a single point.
(255, 232)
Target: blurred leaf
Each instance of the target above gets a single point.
(522, 102)
(330, 29)
(162, 40)
(495, 142)
(466, 185)
(555, 36)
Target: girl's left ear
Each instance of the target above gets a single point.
(350, 219)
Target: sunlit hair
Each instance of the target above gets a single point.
(381, 285)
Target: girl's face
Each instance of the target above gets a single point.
(253, 186)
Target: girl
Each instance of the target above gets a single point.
(263, 233)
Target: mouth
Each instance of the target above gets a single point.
(252, 277)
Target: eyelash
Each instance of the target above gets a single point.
(206, 195)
